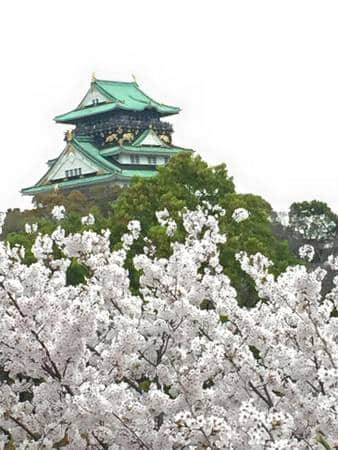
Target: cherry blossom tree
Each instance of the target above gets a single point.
(177, 365)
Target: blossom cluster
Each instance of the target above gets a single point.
(31, 228)
(2, 220)
(177, 364)
(307, 252)
(58, 212)
(240, 214)
(88, 220)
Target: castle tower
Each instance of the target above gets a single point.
(118, 134)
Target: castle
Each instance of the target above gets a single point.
(118, 134)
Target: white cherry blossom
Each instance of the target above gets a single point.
(176, 364)
(88, 220)
(58, 212)
(307, 252)
(240, 214)
(2, 220)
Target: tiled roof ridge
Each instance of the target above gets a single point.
(115, 82)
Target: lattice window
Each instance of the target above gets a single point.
(73, 172)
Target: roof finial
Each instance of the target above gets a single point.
(93, 77)
(69, 135)
(134, 78)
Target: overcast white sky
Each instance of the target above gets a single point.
(257, 82)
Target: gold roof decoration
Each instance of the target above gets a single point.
(69, 135)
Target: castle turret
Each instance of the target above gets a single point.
(118, 133)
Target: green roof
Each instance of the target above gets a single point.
(72, 116)
(120, 95)
(124, 175)
(98, 156)
(142, 149)
(68, 184)
(148, 133)
(138, 173)
(92, 152)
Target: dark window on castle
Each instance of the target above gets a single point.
(152, 160)
(135, 159)
(73, 172)
(166, 159)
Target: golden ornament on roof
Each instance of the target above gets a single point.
(126, 137)
(165, 138)
(69, 135)
(113, 137)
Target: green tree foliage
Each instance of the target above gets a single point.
(97, 200)
(77, 205)
(103, 196)
(76, 273)
(313, 220)
(25, 240)
(76, 202)
(182, 183)
(253, 235)
(175, 188)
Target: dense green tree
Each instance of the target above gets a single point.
(183, 183)
(313, 220)
(174, 188)
(252, 235)
(25, 240)
(76, 273)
